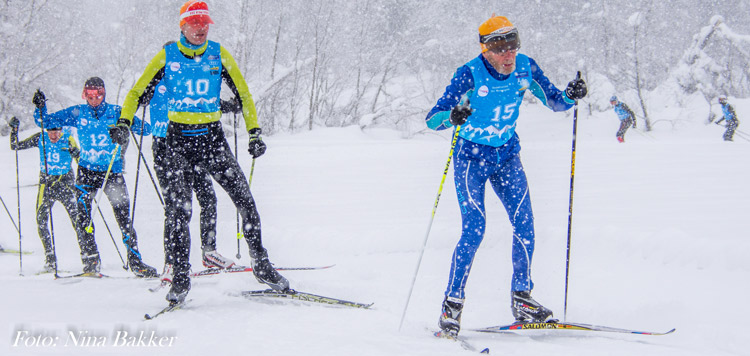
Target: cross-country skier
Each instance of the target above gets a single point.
(56, 181)
(626, 116)
(197, 179)
(192, 71)
(730, 116)
(93, 122)
(493, 85)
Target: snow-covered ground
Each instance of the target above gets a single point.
(660, 240)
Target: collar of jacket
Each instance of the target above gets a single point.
(190, 49)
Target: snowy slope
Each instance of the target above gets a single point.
(659, 241)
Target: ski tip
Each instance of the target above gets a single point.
(485, 351)
(147, 317)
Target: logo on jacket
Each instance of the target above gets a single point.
(483, 91)
(174, 66)
(84, 122)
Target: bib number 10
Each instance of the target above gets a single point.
(199, 87)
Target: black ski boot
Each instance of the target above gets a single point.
(266, 274)
(139, 268)
(179, 291)
(450, 319)
(526, 309)
(91, 263)
(50, 263)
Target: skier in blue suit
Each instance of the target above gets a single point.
(483, 98)
(93, 121)
(730, 116)
(626, 116)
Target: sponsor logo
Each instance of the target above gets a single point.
(174, 66)
(483, 91)
(161, 89)
(84, 122)
(523, 74)
(213, 58)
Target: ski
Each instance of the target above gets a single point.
(84, 274)
(235, 269)
(460, 340)
(14, 252)
(171, 307)
(238, 269)
(565, 326)
(306, 297)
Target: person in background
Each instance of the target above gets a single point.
(94, 121)
(626, 116)
(731, 118)
(192, 70)
(56, 182)
(482, 103)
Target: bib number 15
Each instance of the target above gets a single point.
(507, 110)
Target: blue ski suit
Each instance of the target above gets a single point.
(488, 150)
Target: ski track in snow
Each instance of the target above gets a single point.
(659, 241)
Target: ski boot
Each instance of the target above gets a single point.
(139, 268)
(266, 274)
(526, 309)
(450, 319)
(178, 292)
(168, 274)
(50, 263)
(92, 263)
(212, 259)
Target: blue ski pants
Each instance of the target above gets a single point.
(475, 164)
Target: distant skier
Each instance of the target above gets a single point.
(731, 118)
(93, 120)
(192, 71)
(487, 149)
(56, 181)
(626, 116)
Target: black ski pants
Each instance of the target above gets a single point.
(624, 126)
(198, 180)
(54, 188)
(87, 184)
(204, 146)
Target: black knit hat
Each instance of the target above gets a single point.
(94, 82)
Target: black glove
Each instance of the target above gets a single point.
(576, 89)
(460, 113)
(119, 132)
(14, 123)
(39, 99)
(230, 106)
(256, 146)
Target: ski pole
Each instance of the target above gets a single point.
(44, 187)
(112, 237)
(237, 215)
(137, 174)
(429, 226)
(90, 227)
(148, 170)
(9, 214)
(18, 200)
(570, 202)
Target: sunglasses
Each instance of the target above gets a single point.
(501, 42)
(93, 93)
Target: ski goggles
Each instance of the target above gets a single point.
(93, 93)
(502, 40)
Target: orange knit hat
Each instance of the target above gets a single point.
(194, 11)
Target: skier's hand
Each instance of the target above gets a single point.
(256, 146)
(39, 99)
(14, 123)
(460, 113)
(230, 106)
(633, 124)
(576, 89)
(119, 132)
